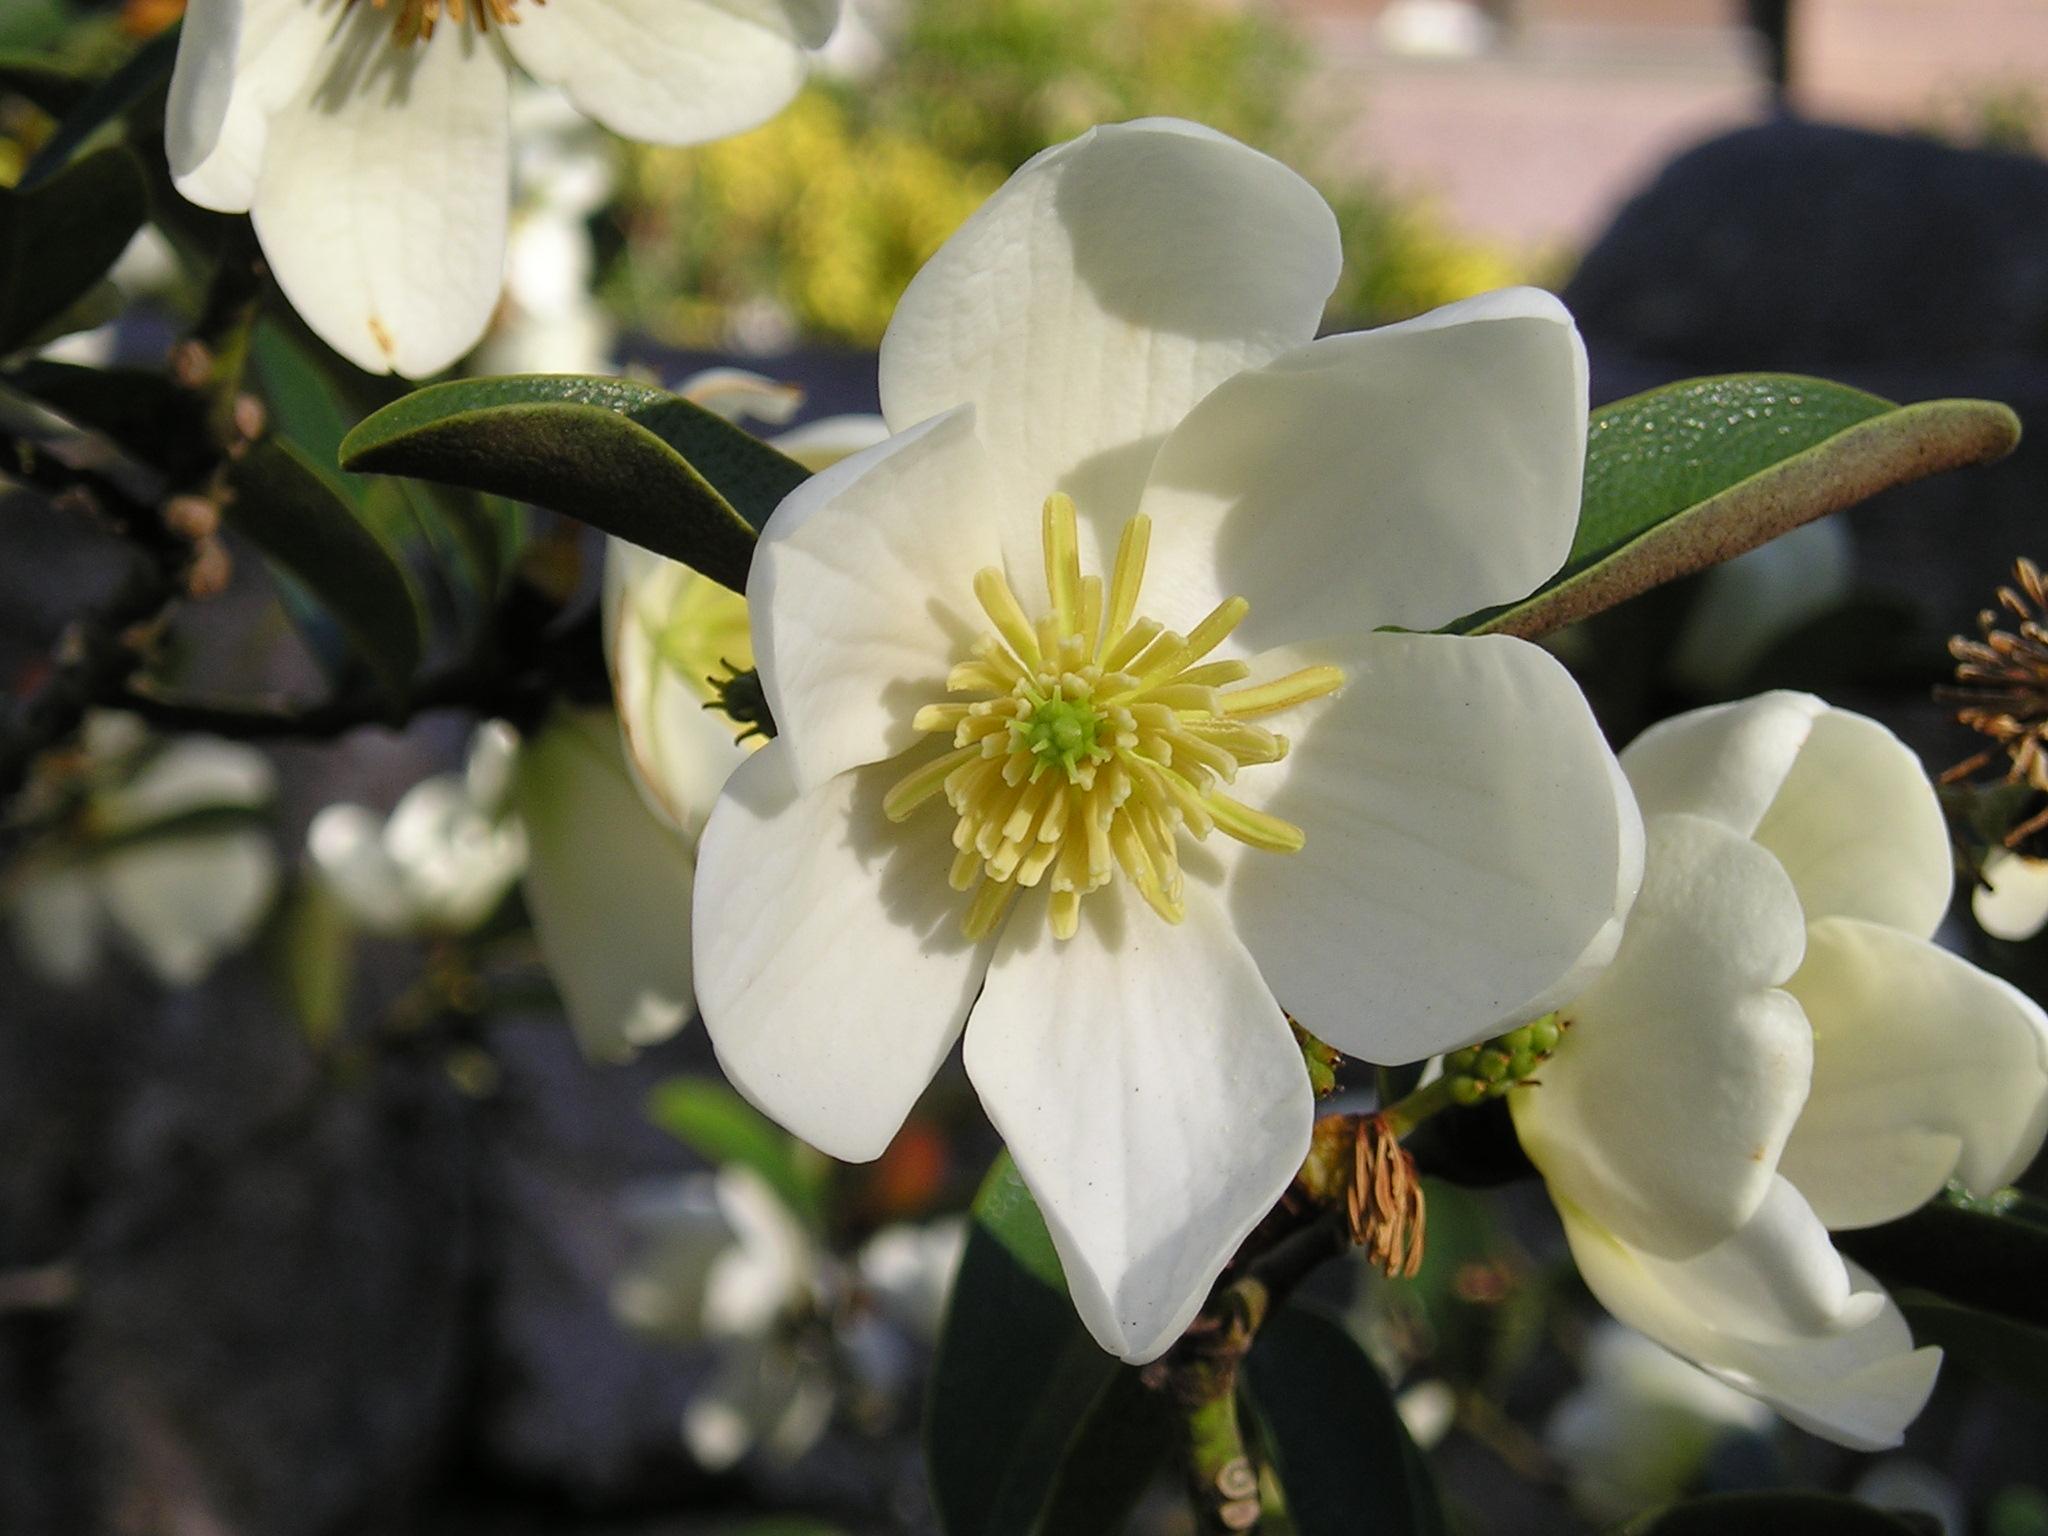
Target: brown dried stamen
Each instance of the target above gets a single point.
(2001, 690)
(416, 19)
(1385, 1201)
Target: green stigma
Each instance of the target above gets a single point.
(1061, 731)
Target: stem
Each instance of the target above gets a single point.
(1404, 1115)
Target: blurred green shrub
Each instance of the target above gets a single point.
(813, 224)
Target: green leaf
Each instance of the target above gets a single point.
(1996, 1347)
(56, 243)
(284, 506)
(49, 85)
(1773, 1514)
(147, 71)
(1343, 1456)
(716, 1122)
(1695, 473)
(1977, 1258)
(625, 457)
(1020, 1421)
(1127, 1437)
(141, 412)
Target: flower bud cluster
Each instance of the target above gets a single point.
(1489, 1069)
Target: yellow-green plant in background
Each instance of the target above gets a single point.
(813, 224)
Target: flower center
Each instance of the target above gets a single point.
(1093, 737)
(416, 19)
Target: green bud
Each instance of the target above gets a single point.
(1467, 1091)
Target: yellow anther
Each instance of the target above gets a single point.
(1282, 693)
(1062, 541)
(1126, 576)
(1216, 628)
(920, 784)
(1007, 614)
(987, 909)
(1097, 739)
(1255, 828)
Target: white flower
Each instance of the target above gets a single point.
(445, 858)
(722, 1262)
(607, 885)
(1108, 377)
(163, 850)
(1637, 1431)
(562, 173)
(371, 141)
(908, 1268)
(669, 631)
(1779, 1049)
(2012, 903)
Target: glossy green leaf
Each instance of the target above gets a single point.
(1013, 1434)
(625, 457)
(146, 73)
(1695, 473)
(1342, 1454)
(49, 85)
(315, 402)
(724, 1128)
(1984, 1258)
(290, 511)
(1774, 1514)
(56, 243)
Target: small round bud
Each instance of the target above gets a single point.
(1493, 1065)
(191, 363)
(1467, 1091)
(192, 517)
(1544, 1033)
(250, 417)
(211, 570)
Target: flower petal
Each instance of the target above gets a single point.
(1925, 1069)
(673, 71)
(239, 61)
(1683, 1068)
(862, 594)
(1397, 477)
(2012, 903)
(666, 629)
(383, 194)
(1152, 1094)
(190, 774)
(1726, 762)
(608, 887)
(1841, 801)
(346, 845)
(831, 970)
(187, 899)
(1858, 1383)
(1859, 829)
(1470, 847)
(1106, 287)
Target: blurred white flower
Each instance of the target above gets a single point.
(2012, 903)
(1111, 369)
(721, 1262)
(1435, 29)
(445, 858)
(372, 143)
(159, 844)
(1901, 1483)
(908, 1269)
(607, 885)
(1637, 1430)
(1779, 1049)
(563, 171)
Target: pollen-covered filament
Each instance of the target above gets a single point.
(412, 19)
(1091, 738)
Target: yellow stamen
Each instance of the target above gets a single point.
(1097, 739)
(1283, 692)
